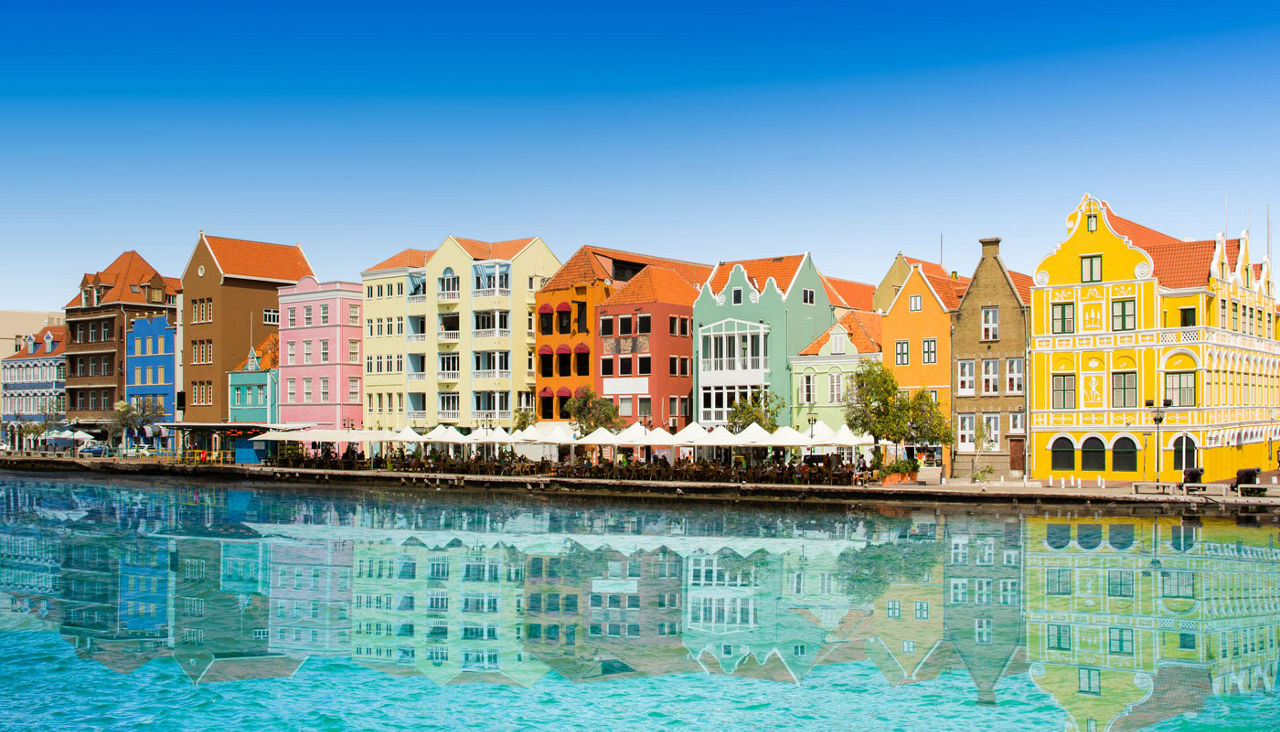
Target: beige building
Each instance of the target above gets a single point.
(988, 375)
(16, 325)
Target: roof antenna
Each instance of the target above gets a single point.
(940, 250)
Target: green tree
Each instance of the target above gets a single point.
(982, 442)
(866, 575)
(873, 405)
(591, 412)
(926, 424)
(132, 417)
(762, 407)
(523, 419)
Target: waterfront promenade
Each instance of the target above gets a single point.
(1086, 493)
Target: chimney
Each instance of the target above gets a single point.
(990, 246)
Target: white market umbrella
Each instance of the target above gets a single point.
(822, 434)
(845, 437)
(718, 437)
(658, 437)
(409, 435)
(480, 435)
(753, 436)
(456, 437)
(439, 434)
(528, 434)
(555, 434)
(601, 437)
(79, 436)
(632, 434)
(500, 436)
(690, 435)
(788, 437)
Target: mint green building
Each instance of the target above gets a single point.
(751, 317)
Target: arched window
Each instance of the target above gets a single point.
(1124, 456)
(1093, 454)
(1057, 536)
(1089, 536)
(1184, 453)
(1064, 454)
(1120, 536)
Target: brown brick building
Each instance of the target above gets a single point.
(96, 319)
(230, 303)
(988, 374)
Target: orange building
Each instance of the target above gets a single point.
(566, 319)
(916, 343)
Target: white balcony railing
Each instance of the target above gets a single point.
(448, 295)
(486, 333)
(414, 376)
(491, 414)
(417, 299)
(417, 337)
(493, 292)
(417, 414)
(448, 414)
(504, 333)
(449, 335)
(486, 374)
(448, 375)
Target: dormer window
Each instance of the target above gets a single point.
(837, 343)
(1092, 222)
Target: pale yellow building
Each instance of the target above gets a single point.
(1123, 316)
(388, 287)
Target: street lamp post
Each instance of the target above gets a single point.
(1157, 417)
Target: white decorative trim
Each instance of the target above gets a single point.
(1042, 278)
(1141, 271)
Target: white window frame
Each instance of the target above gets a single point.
(965, 432)
(991, 323)
(915, 303)
(1015, 375)
(990, 376)
(965, 377)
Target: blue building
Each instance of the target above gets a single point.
(33, 384)
(149, 372)
(254, 388)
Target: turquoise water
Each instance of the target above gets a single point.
(202, 606)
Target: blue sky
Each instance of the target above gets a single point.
(708, 132)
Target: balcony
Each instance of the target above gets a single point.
(449, 336)
(417, 337)
(417, 414)
(448, 376)
(413, 299)
(493, 292)
(448, 414)
(416, 376)
(491, 414)
(448, 296)
(486, 333)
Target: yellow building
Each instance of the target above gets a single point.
(1123, 316)
(388, 286)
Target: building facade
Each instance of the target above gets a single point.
(822, 373)
(1125, 320)
(567, 314)
(96, 320)
(231, 303)
(33, 385)
(916, 332)
(388, 286)
(150, 365)
(644, 342)
(320, 335)
(751, 317)
(254, 385)
(470, 335)
(988, 382)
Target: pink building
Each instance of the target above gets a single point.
(320, 372)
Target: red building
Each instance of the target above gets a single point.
(644, 340)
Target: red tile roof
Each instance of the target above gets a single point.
(655, 284)
(932, 268)
(862, 327)
(847, 293)
(950, 289)
(493, 250)
(1022, 285)
(592, 263)
(268, 352)
(59, 333)
(258, 260)
(1177, 263)
(123, 281)
(781, 270)
(406, 258)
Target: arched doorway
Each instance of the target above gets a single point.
(1064, 454)
(1124, 456)
(1184, 453)
(1093, 454)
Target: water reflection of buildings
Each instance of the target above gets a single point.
(1124, 621)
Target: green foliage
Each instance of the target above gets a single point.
(873, 405)
(981, 441)
(762, 408)
(926, 424)
(591, 412)
(901, 465)
(130, 417)
(523, 419)
(866, 575)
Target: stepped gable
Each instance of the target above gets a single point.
(782, 270)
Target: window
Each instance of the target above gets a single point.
(1091, 268)
(270, 317)
(1178, 584)
(991, 376)
(1013, 370)
(353, 351)
(737, 296)
(930, 354)
(1057, 581)
(959, 592)
(1124, 390)
(1063, 318)
(324, 350)
(606, 325)
(922, 611)
(838, 342)
(1124, 315)
(916, 303)
(1009, 592)
(964, 432)
(642, 324)
(1124, 456)
(1120, 583)
(353, 314)
(964, 377)
(807, 389)
(1180, 387)
(606, 366)
(1093, 454)
(643, 365)
(835, 388)
(1017, 423)
(1120, 641)
(1187, 317)
(1184, 453)
(991, 324)
(1058, 637)
(982, 630)
(807, 296)
(324, 315)
(1064, 391)
(992, 424)
(901, 354)
(893, 609)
